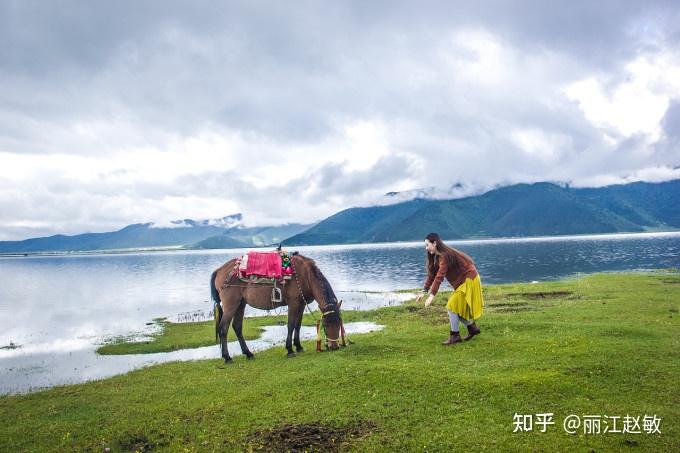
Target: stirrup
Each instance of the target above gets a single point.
(277, 295)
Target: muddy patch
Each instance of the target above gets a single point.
(543, 295)
(511, 307)
(308, 437)
(137, 442)
(506, 305)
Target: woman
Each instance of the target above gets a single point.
(466, 303)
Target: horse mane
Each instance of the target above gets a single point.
(326, 289)
(328, 293)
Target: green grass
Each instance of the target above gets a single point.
(604, 344)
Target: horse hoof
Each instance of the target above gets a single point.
(300, 349)
(250, 357)
(291, 355)
(228, 361)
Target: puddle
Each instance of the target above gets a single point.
(28, 372)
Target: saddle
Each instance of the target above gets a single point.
(274, 265)
(269, 268)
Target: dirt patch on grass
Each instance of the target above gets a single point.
(514, 309)
(137, 442)
(308, 437)
(505, 305)
(511, 307)
(543, 295)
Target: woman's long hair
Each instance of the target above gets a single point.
(441, 249)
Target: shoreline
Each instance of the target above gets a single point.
(395, 244)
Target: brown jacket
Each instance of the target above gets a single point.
(465, 268)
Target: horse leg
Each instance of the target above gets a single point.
(228, 308)
(298, 326)
(292, 320)
(238, 330)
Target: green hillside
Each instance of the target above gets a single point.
(519, 210)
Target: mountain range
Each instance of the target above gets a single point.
(540, 209)
(226, 232)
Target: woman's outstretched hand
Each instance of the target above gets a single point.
(420, 297)
(429, 300)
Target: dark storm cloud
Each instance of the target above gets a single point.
(285, 72)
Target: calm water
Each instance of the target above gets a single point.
(59, 305)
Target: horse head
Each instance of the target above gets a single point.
(329, 306)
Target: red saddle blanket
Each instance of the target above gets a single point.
(263, 264)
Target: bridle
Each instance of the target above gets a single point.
(319, 325)
(333, 309)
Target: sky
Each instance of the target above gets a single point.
(114, 113)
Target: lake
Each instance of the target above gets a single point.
(60, 307)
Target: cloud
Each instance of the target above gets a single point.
(307, 197)
(671, 120)
(634, 105)
(116, 113)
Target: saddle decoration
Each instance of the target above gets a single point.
(265, 267)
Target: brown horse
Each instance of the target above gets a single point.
(307, 284)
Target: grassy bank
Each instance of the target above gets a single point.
(174, 336)
(600, 345)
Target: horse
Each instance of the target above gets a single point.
(231, 296)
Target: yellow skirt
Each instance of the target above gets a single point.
(467, 300)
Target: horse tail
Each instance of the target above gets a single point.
(217, 306)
